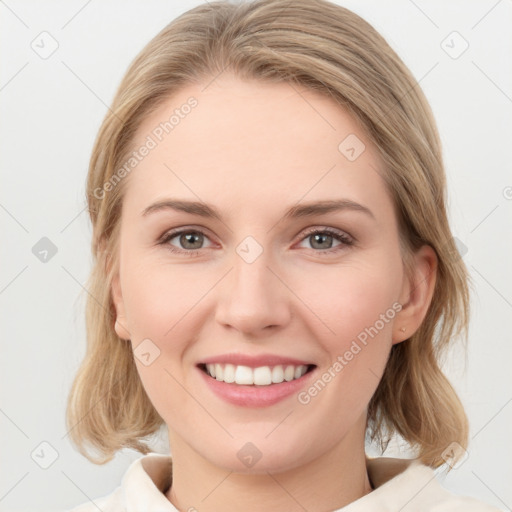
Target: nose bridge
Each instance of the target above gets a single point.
(251, 274)
(253, 297)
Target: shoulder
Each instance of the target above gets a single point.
(431, 496)
(420, 486)
(142, 488)
(110, 503)
(410, 486)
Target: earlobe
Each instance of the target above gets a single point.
(416, 294)
(120, 323)
(121, 331)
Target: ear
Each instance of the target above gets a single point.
(416, 295)
(117, 297)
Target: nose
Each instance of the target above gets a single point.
(253, 297)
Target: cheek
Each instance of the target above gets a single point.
(350, 299)
(356, 307)
(160, 304)
(158, 297)
(355, 334)
(341, 301)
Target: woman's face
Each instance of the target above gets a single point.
(255, 282)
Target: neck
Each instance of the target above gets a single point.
(329, 482)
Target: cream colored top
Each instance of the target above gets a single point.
(399, 485)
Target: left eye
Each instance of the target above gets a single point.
(318, 237)
(191, 240)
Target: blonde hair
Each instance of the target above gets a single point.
(327, 48)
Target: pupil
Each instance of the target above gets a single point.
(189, 238)
(321, 238)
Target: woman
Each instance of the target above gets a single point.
(275, 275)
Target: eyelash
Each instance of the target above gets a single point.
(338, 235)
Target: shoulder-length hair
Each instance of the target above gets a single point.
(329, 49)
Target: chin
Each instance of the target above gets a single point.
(258, 457)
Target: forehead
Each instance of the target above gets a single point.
(269, 142)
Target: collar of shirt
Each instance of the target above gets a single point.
(397, 482)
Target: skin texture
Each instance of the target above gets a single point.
(253, 150)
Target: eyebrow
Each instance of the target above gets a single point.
(297, 211)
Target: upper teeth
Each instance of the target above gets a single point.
(260, 376)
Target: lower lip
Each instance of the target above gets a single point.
(255, 396)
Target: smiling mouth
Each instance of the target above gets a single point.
(260, 376)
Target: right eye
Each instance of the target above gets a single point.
(189, 239)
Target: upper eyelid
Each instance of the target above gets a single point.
(327, 229)
(171, 233)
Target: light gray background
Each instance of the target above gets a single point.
(51, 110)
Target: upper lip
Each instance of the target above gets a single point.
(255, 361)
